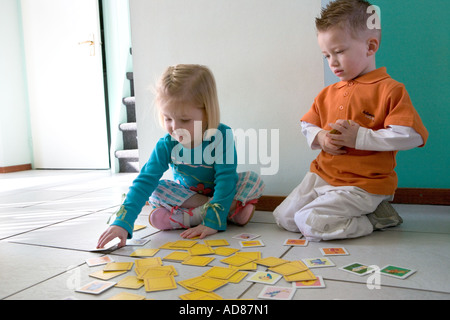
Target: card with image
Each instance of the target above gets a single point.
(311, 284)
(322, 262)
(336, 251)
(296, 242)
(276, 293)
(246, 236)
(397, 272)
(358, 269)
(264, 277)
(98, 261)
(96, 287)
(251, 243)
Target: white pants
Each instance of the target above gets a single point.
(323, 212)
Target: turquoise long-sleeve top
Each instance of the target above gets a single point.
(209, 168)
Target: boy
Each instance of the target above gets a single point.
(359, 123)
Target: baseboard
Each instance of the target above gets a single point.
(402, 195)
(23, 167)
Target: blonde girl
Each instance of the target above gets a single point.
(206, 191)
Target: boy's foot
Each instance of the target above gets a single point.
(384, 216)
(242, 215)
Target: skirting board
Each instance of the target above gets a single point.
(402, 195)
(23, 167)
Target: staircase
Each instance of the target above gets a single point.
(129, 157)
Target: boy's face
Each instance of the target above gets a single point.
(347, 56)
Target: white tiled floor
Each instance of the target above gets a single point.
(50, 219)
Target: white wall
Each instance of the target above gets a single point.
(265, 58)
(14, 133)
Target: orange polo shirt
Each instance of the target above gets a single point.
(374, 101)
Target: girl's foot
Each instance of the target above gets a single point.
(243, 214)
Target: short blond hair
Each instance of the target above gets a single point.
(191, 83)
(348, 15)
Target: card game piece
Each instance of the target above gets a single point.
(153, 272)
(357, 269)
(251, 243)
(301, 276)
(208, 284)
(296, 242)
(397, 272)
(200, 295)
(137, 242)
(337, 251)
(187, 283)
(138, 227)
(264, 277)
(220, 273)
(310, 284)
(221, 251)
(118, 266)
(276, 293)
(246, 236)
(96, 287)
(216, 242)
(148, 262)
(237, 277)
(127, 296)
(249, 254)
(237, 260)
(183, 244)
(318, 262)
(130, 282)
(160, 284)
(200, 261)
(98, 261)
(289, 268)
(144, 253)
(108, 247)
(106, 275)
(178, 256)
(200, 249)
(247, 267)
(271, 261)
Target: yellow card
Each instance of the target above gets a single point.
(247, 266)
(127, 296)
(183, 244)
(106, 275)
(221, 251)
(187, 283)
(237, 277)
(198, 261)
(301, 276)
(271, 261)
(167, 246)
(130, 282)
(237, 260)
(200, 249)
(118, 266)
(217, 243)
(176, 256)
(250, 254)
(200, 295)
(138, 227)
(208, 284)
(289, 268)
(220, 273)
(154, 272)
(159, 284)
(144, 253)
(148, 262)
(251, 243)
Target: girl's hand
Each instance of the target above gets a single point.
(200, 230)
(110, 234)
(348, 133)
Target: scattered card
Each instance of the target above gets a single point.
(118, 266)
(286, 269)
(130, 282)
(221, 251)
(220, 273)
(271, 261)
(318, 262)
(137, 242)
(251, 243)
(311, 284)
(357, 268)
(127, 296)
(96, 287)
(144, 253)
(264, 277)
(276, 293)
(200, 295)
(217, 243)
(93, 262)
(208, 284)
(237, 261)
(296, 242)
(337, 251)
(160, 284)
(306, 275)
(106, 275)
(200, 261)
(397, 272)
(112, 245)
(246, 236)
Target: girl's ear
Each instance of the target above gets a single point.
(372, 46)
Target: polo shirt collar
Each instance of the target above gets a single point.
(371, 77)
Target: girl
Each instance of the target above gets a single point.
(206, 191)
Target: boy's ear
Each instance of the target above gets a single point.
(372, 46)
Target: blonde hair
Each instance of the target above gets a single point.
(349, 15)
(190, 83)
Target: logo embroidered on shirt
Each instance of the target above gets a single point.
(368, 115)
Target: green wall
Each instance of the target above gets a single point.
(415, 49)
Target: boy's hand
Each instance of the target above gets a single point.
(200, 230)
(328, 145)
(110, 234)
(348, 130)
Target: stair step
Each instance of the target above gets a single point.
(129, 126)
(128, 154)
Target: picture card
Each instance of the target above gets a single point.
(264, 277)
(322, 262)
(276, 293)
(296, 242)
(246, 236)
(251, 243)
(311, 284)
(336, 251)
(98, 261)
(96, 287)
(397, 272)
(358, 269)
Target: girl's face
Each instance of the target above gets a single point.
(185, 122)
(347, 57)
